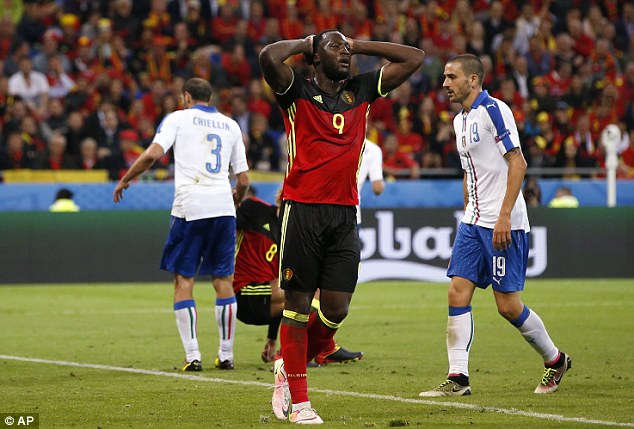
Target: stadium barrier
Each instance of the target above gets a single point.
(126, 246)
(424, 193)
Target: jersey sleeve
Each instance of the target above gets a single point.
(370, 83)
(166, 131)
(286, 99)
(504, 129)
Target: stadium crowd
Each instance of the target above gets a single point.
(85, 83)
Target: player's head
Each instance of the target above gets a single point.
(331, 54)
(464, 75)
(197, 90)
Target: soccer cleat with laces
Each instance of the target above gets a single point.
(448, 388)
(194, 366)
(281, 400)
(224, 364)
(340, 355)
(305, 416)
(552, 376)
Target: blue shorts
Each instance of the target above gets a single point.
(474, 259)
(200, 247)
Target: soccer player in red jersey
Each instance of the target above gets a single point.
(325, 120)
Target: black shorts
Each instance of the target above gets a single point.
(254, 305)
(319, 247)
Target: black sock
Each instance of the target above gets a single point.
(559, 362)
(461, 379)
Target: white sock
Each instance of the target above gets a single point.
(534, 332)
(299, 406)
(226, 319)
(186, 321)
(459, 339)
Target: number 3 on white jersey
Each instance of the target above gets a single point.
(216, 144)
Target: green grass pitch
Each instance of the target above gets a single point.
(128, 334)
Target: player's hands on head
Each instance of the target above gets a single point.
(351, 43)
(308, 55)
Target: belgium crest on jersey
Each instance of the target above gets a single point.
(348, 97)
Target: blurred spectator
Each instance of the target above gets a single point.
(583, 43)
(495, 26)
(564, 199)
(125, 155)
(152, 100)
(409, 142)
(75, 132)
(15, 155)
(237, 66)
(625, 27)
(60, 83)
(570, 159)
(85, 61)
(50, 49)
(89, 156)
(30, 85)
(197, 25)
(32, 134)
(477, 44)
(263, 152)
(223, 26)
(157, 63)
(124, 23)
(521, 76)
(181, 49)
(532, 192)
(7, 36)
(543, 147)
(396, 164)
(526, 27)
(107, 135)
(12, 11)
(538, 60)
(63, 202)
(158, 18)
(203, 67)
(238, 110)
(56, 118)
(55, 156)
(31, 26)
(541, 100)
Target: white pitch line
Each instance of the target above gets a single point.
(511, 411)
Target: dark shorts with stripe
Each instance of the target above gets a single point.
(254, 304)
(319, 247)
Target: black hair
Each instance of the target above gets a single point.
(317, 39)
(199, 89)
(470, 64)
(64, 194)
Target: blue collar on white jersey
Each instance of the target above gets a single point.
(483, 96)
(208, 109)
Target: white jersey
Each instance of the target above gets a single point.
(206, 143)
(483, 136)
(371, 167)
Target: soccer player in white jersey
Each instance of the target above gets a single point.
(202, 235)
(371, 168)
(491, 246)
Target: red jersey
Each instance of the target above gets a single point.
(326, 135)
(256, 243)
